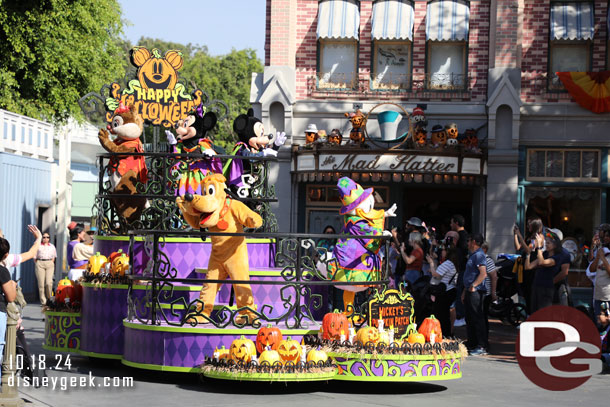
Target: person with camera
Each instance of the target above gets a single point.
(546, 265)
(525, 246)
(601, 267)
(443, 283)
(413, 261)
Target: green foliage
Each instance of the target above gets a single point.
(225, 77)
(55, 51)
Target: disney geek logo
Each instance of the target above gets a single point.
(559, 348)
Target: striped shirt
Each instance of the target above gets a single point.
(491, 266)
(46, 252)
(447, 270)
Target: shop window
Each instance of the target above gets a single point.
(571, 32)
(328, 195)
(392, 65)
(338, 67)
(574, 211)
(447, 26)
(564, 165)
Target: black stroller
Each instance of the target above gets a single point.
(505, 308)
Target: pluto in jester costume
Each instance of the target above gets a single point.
(229, 258)
(358, 259)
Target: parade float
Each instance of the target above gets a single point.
(192, 275)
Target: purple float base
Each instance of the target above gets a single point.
(62, 331)
(103, 311)
(185, 255)
(397, 367)
(182, 348)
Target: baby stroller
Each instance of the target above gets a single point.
(504, 307)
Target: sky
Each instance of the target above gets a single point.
(218, 24)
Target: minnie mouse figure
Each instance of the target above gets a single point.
(191, 139)
(252, 143)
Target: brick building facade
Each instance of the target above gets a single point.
(543, 154)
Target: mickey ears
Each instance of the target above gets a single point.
(240, 123)
(209, 121)
(250, 112)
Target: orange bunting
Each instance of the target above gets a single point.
(590, 90)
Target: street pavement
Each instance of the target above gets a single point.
(489, 380)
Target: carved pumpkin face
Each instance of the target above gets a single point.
(120, 265)
(335, 137)
(242, 349)
(310, 137)
(357, 119)
(269, 336)
(317, 355)
(357, 136)
(154, 71)
(95, 263)
(420, 137)
(334, 324)
(368, 334)
(452, 131)
(289, 350)
(439, 138)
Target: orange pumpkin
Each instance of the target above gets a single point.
(269, 336)
(421, 137)
(416, 338)
(289, 350)
(452, 130)
(96, 262)
(174, 58)
(157, 72)
(66, 292)
(429, 325)
(139, 55)
(120, 265)
(335, 137)
(335, 324)
(367, 334)
(242, 349)
(439, 136)
(64, 282)
(114, 255)
(222, 353)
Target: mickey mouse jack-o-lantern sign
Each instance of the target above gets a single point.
(156, 92)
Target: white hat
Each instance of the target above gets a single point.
(311, 128)
(558, 232)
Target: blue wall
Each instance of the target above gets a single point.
(25, 184)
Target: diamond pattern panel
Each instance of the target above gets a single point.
(103, 311)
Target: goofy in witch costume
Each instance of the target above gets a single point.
(191, 138)
(358, 259)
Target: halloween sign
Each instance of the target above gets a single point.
(395, 308)
(155, 91)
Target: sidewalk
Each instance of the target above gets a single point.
(502, 340)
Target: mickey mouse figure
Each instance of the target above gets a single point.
(191, 138)
(252, 143)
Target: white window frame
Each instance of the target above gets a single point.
(323, 81)
(563, 179)
(392, 85)
(450, 83)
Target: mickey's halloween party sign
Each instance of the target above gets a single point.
(156, 92)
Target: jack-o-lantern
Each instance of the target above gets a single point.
(289, 350)
(335, 324)
(242, 349)
(120, 265)
(316, 356)
(335, 137)
(269, 336)
(155, 71)
(310, 138)
(66, 292)
(438, 136)
(223, 353)
(452, 131)
(470, 139)
(270, 356)
(358, 121)
(421, 137)
(114, 255)
(367, 334)
(416, 338)
(430, 325)
(96, 262)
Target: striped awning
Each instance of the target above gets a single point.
(447, 20)
(338, 19)
(572, 21)
(392, 20)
